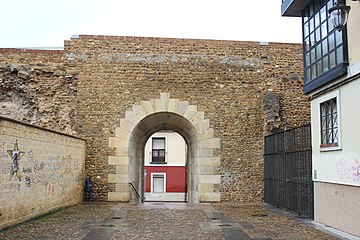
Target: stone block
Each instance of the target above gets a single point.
(195, 195)
(210, 143)
(156, 105)
(139, 112)
(206, 134)
(206, 152)
(132, 117)
(190, 112)
(122, 133)
(113, 142)
(206, 187)
(203, 125)
(216, 179)
(122, 152)
(195, 170)
(147, 107)
(183, 105)
(209, 197)
(118, 197)
(123, 142)
(118, 178)
(122, 169)
(114, 160)
(197, 118)
(164, 101)
(126, 125)
(173, 105)
(208, 169)
(208, 161)
(122, 187)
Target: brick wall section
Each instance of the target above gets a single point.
(225, 79)
(49, 173)
(36, 86)
(228, 80)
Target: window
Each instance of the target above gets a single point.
(325, 50)
(158, 150)
(329, 124)
(158, 182)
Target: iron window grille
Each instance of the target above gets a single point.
(325, 48)
(329, 123)
(158, 155)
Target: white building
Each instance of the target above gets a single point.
(332, 80)
(165, 167)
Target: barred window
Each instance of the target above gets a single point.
(329, 123)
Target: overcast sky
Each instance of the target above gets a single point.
(47, 23)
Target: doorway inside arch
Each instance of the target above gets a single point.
(165, 168)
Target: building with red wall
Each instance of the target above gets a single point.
(165, 167)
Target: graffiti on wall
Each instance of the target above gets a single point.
(61, 173)
(28, 181)
(356, 170)
(15, 155)
(348, 169)
(55, 173)
(54, 168)
(33, 170)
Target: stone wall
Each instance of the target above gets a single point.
(40, 170)
(227, 80)
(38, 87)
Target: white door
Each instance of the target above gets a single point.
(158, 184)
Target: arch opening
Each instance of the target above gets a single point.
(149, 118)
(147, 127)
(165, 168)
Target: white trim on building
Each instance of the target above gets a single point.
(154, 181)
(321, 100)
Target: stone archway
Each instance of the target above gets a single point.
(164, 114)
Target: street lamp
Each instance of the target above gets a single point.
(339, 14)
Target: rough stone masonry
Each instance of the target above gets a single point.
(244, 89)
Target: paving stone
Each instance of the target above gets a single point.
(223, 221)
(64, 224)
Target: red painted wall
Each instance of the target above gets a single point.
(175, 177)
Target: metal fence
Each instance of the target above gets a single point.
(287, 171)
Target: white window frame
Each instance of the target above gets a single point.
(327, 97)
(152, 180)
(166, 150)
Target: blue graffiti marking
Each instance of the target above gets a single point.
(15, 155)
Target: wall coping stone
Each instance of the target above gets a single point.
(150, 39)
(2, 118)
(59, 50)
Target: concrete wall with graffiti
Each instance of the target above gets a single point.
(40, 170)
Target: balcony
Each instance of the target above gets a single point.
(293, 8)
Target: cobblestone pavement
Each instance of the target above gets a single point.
(166, 221)
(63, 224)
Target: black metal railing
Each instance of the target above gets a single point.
(136, 192)
(288, 171)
